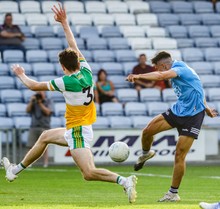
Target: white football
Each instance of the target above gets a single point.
(119, 151)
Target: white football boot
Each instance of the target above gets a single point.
(170, 197)
(142, 159)
(130, 188)
(205, 205)
(8, 168)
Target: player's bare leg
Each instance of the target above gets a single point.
(182, 148)
(84, 159)
(52, 136)
(157, 125)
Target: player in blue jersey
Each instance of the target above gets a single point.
(186, 114)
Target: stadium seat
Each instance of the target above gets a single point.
(132, 31)
(160, 7)
(182, 7)
(11, 95)
(147, 19)
(116, 7)
(53, 55)
(150, 94)
(6, 123)
(104, 56)
(140, 43)
(198, 31)
(7, 6)
(169, 95)
(128, 67)
(16, 109)
(192, 54)
(212, 54)
(124, 19)
(88, 32)
(55, 96)
(46, 78)
(127, 95)
(155, 108)
(112, 68)
(175, 53)
(95, 67)
(202, 67)
(95, 43)
(80, 42)
(154, 32)
(30, 7)
(125, 55)
(185, 43)
(140, 121)
(218, 7)
(3, 111)
(135, 108)
(58, 31)
(36, 19)
(98, 109)
(110, 108)
(168, 19)
(42, 31)
(51, 43)
(216, 68)
(27, 94)
(110, 32)
(4, 69)
(80, 19)
(47, 5)
(213, 94)
(190, 19)
(103, 19)
(31, 43)
(22, 122)
(177, 31)
(205, 42)
(36, 56)
(7, 82)
(59, 109)
(18, 19)
(210, 19)
(119, 81)
(88, 55)
(74, 7)
(118, 43)
(43, 69)
(95, 7)
(211, 122)
(164, 43)
(55, 122)
(209, 81)
(120, 122)
(26, 30)
(101, 123)
(203, 7)
(137, 7)
(215, 31)
(13, 56)
(150, 53)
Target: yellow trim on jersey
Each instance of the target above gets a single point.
(80, 115)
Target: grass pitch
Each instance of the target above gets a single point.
(64, 188)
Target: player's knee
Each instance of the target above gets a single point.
(44, 137)
(180, 155)
(88, 176)
(146, 131)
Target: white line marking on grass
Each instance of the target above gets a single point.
(211, 177)
(147, 174)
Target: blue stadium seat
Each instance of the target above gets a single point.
(137, 7)
(36, 19)
(127, 95)
(164, 43)
(27, 94)
(190, 19)
(95, 7)
(11, 95)
(59, 109)
(101, 123)
(88, 55)
(80, 19)
(74, 7)
(103, 56)
(51, 43)
(16, 109)
(7, 6)
(29, 7)
(98, 109)
(124, 19)
(132, 31)
(125, 56)
(155, 108)
(4, 69)
(135, 108)
(185, 43)
(116, 7)
(140, 121)
(118, 43)
(43, 69)
(202, 67)
(113, 68)
(196, 31)
(53, 55)
(13, 56)
(218, 7)
(43, 31)
(211, 122)
(110, 108)
(55, 96)
(46, 77)
(182, 7)
(26, 30)
(212, 54)
(120, 122)
(36, 56)
(147, 19)
(31, 43)
(177, 31)
(58, 30)
(168, 19)
(206, 42)
(7, 82)
(95, 43)
(6, 123)
(88, 32)
(210, 81)
(213, 94)
(110, 31)
(203, 7)
(18, 19)
(128, 67)
(55, 122)
(160, 7)
(210, 19)
(103, 19)
(169, 95)
(140, 43)
(150, 94)
(3, 111)
(192, 54)
(154, 32)
(119, 81)
(80, 42)
(215, 31)
(95, 67)
(216, 67)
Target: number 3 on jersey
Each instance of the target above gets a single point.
(89, 95)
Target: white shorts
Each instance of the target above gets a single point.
(79, 137)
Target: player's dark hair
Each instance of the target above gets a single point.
(142, 55)
(69, 59)
(159, 56)
(99, 74)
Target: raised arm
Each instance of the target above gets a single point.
(60, 16)
(31, 84)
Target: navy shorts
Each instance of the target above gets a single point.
(186, 126)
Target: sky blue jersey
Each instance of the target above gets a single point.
(188, 89)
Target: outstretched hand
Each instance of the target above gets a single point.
(211, 112)
(131, 78)
(60, 13)
(18, 70)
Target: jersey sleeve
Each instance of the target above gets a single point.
(84, 64)
(56, 85)
(178, 71)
